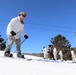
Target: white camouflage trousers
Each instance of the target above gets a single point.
(11, 40)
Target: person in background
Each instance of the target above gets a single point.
(45, 53)
(50, 52)
(55, 53)
(61, 55)
(73, 55)
(14, 28)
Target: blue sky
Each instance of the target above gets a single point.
(45, 19)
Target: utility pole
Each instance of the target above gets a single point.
(75, 36)
(0, 34)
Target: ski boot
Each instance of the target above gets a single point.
(19, 55)
(8, 54)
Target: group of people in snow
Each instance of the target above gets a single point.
(16, 26)
(53, 52)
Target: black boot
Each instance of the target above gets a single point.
(8, 54)
(19, 55)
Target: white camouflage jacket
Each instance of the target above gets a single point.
(16, 26)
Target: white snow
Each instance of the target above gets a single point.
(11, 66)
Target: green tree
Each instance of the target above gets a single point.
(60, 42)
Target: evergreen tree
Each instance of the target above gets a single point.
(60, 42)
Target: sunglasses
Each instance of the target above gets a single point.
(23, 15)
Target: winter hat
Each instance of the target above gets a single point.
(22, 13)
(43, 46)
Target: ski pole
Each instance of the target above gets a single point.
(22, 41)
(9, 37)
(6, 40)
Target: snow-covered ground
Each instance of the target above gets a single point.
(10, 66)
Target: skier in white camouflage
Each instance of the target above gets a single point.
(73, 55)
(15, 27)
(61, 55)
(55, 53)
(45, 53)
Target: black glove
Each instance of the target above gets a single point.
(13, 33)
(25, 36)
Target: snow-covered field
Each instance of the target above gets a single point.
(10, 66)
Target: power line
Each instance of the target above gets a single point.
(47, 25)
(51, 25)
(38, 24)
(49, 29)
